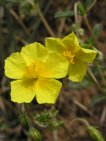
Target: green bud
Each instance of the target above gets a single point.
(100, 55)
(23, 119)
(80, 31)
(77, 29)
(35, 134)
(95, 134)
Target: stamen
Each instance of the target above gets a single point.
(34, 70)
(69, 56)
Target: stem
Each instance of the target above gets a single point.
(44, 21)
(96, 42)
(37, 8)
(87, 24)
(13, 13)
(78, 18)
(103, 116)
(99, 70)
(90, 28)
(80, 120)
(81, 106)
(94, 78)
(90, 7)
(23, 109)
(67, 131)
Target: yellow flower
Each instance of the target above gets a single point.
(77, 57)
(35, 71)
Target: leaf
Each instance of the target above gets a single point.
(25, 7)
(87, 46)
(81, 9)
(63, 14)
(90, 41)
(85, 83)
(98, 99)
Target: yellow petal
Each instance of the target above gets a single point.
(33, 52)
(54, 44)
(15, 66)
(73, 36)
(56, 66)
(47, 90)
(22, 91)
(77, 71)
(71, 42)
(86, 55)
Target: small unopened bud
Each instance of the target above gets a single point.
(35, 134)
(95, 134)
(100, 56)
(24, 121)
(81, 31)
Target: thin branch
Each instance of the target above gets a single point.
(94, 78)
(13, 13)
(91, 6)
(103, 116)
(37, 8)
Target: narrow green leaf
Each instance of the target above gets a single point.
(63, 14)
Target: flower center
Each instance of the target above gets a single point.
(69, 56)
(35, 70)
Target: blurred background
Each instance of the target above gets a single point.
(27, 21)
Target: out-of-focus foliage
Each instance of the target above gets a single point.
(48, 119)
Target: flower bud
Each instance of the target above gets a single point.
(24, 121)
(35, 134)
(100, 55)
(95, 134)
